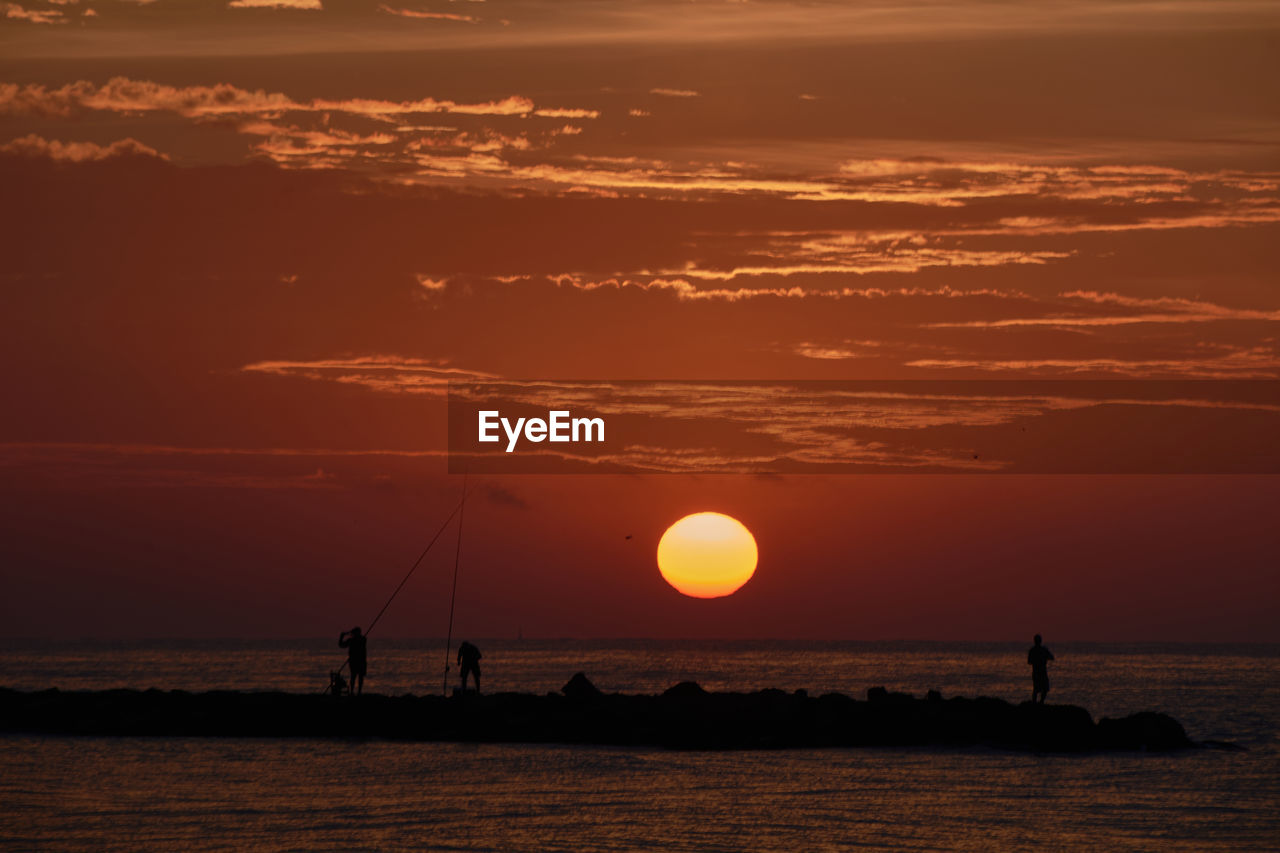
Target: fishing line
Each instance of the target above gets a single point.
(453, 595)
(457, 509)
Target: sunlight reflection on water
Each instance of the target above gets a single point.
(251, 795)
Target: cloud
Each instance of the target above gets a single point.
(328, 146)
(77, 152)
(16, 12)
(1237, 363)
(1169, 310)
(1138, 196)
(432, 285)
(1197, 199)
(751, 426)
(873, 261)
(665, 180)
(686, 291)
(378, 372)
(978, 179)
(88, 465)
(419, 14)
(303, 5)
(566, 112)
(846, 350)
(121, 94)
(1135, 367)
(675, 93)
(29, 451)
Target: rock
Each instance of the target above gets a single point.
(685, 690)
(1145, 730)
(685, 717)
(879, 694)
(1054, 728)
(1224, 745)
(580, 688)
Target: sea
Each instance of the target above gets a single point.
(173, 794)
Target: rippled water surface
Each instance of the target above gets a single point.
(175, 793)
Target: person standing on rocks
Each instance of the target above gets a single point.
(357, 646)
(469, 660)
(1039, 656)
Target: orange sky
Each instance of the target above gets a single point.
(241, 248)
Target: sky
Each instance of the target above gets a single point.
(245, 246)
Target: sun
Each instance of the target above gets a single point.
(707, 555)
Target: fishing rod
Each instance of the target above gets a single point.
(456, 510)
(453, 595)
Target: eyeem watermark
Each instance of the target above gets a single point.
(558, 427)
(927, 426)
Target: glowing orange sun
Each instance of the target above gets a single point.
(707, 555)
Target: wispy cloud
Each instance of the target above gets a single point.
(77, 152)
(1241, 363)
(421, 14)
(301, 5)
(1146, 310)
(124, 95)
(837, 352)
(114, 466)
(379, 372)
(686, 290)
(17, 12)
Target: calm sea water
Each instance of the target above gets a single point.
(175, 793)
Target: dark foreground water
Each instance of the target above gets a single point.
(177, 794)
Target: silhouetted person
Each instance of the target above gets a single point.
(357, 646)
(1039, 656)
(469, 660)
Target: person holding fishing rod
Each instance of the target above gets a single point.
(357, 646)
(357, 642)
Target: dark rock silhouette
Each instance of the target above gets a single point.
(1153, 731)
(580, 688)
(685, 716)
(685, 690)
